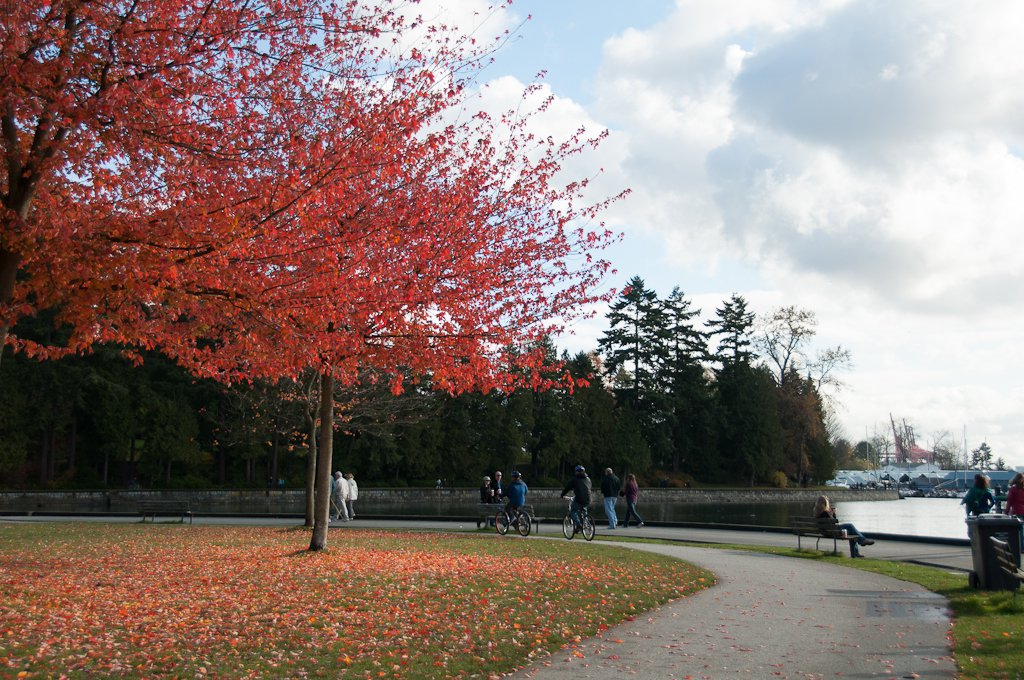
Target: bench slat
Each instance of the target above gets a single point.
(1006, 560)
(818, 528)
(164, 507)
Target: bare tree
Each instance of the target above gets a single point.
(783, 336)
(947, 450)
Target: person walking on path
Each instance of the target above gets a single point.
(824, 510)
(632, 492)
(978, 500)
(353, 495)
(339, 497)
(610, 488)
(1015, 495)
(579, 484)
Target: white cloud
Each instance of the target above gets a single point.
(865, 159)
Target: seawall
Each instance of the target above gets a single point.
(292, 501)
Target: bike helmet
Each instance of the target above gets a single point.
(515, 474)
(580, 468)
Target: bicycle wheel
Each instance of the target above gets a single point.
(588, 528)
(524, 524)
(501, 522)
(568, 528)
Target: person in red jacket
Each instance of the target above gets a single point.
(1015, 496)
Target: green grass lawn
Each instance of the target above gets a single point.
(132, 600)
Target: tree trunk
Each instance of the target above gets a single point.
(322, 487)
(310, 465)
(8, 275)
(273, 455)
(222, 463)
(45, 452)
(73, 444)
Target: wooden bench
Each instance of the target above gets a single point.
(165, 509)
(1007, 562)
(818, 528)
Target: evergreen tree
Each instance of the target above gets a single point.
(634, 348)
(685, 397)
(749, 434)
(633, 339)
(733, 323)
(981, 457)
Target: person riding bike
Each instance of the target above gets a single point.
(579, 484)
(516, 494)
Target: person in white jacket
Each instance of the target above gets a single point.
(339, 497)
(353, 494)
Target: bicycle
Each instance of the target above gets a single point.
(585, 525)
(518, 518)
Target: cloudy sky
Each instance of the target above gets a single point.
(860, 159)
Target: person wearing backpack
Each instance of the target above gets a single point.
(979, 498)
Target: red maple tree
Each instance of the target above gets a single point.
(257, 188)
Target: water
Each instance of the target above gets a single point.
(928, 517)
(942, 517)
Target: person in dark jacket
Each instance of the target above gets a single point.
(979, 498)
(610, 487)
(486, 491)
(496, 485)
(579, 484)
(823, 509)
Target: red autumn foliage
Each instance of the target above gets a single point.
(257, 188)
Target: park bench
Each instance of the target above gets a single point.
(165, 508)
(1006, 561)
(818, 528)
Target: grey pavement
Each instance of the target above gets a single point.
(767, 616)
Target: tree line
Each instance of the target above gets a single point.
(732, 400)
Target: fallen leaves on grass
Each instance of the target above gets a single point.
(241, 602)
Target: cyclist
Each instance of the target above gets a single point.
(579, 484)
(516, 494)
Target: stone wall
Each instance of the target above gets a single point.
(292, 501)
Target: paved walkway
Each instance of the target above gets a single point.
(768, 616)
(771, 617)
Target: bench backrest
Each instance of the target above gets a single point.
(1003, 554)
(824, 525)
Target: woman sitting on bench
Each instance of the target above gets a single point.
(824, 510)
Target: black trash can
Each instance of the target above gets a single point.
(987, 574)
